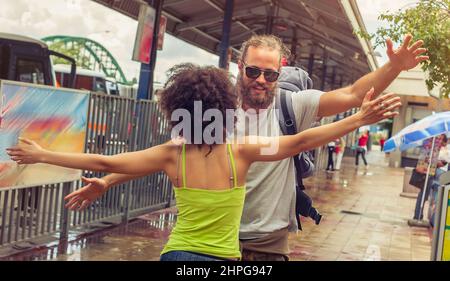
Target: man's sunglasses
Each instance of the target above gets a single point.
(254, 72)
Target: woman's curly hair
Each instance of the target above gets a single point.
(188, 83)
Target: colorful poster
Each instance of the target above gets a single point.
(55, 118)
(424, 158)
(144, 34)
(162, 31)
(446, 239)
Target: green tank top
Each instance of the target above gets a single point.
(208, 220)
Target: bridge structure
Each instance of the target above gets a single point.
(89, 54)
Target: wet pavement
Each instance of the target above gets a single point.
(364, 218)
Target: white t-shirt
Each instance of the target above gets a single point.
(270, 198)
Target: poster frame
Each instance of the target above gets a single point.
(53, 88)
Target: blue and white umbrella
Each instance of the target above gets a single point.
(414, 134)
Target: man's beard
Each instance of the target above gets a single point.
(248, 99)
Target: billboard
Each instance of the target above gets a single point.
(426, 155)
(446, 238)
(441, 232)
(162, 31)
(56, 118)
(144, 34)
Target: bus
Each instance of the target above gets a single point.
(28, 60)
(86, 79)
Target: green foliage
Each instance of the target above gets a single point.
(429, 21)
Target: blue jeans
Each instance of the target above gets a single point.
(187, 256)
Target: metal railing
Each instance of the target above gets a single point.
(115, 125)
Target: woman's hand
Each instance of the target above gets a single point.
(83, 197)
(378, 109)
(26, 152)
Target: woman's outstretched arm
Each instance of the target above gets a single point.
(274, 149)
(146, 161)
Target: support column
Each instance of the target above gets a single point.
(395, 157)
(145, 90)
(294, 48)
(226, 30)
(311, 64)
(340, 115)
(324, 71)
(64, 221)
(333, 78)
(269, 22)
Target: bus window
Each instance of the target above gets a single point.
(4, 61)
(30, 71)
(83, 82)
(99, 85)
(112, 88)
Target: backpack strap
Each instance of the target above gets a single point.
(283, 103)
(288, 126)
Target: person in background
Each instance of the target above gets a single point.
(362, 148)
(443, 160)
(382, 140)
(339, 150)
(331, 147)
(432, 180)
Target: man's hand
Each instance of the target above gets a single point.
(80, 199)
(405, 57)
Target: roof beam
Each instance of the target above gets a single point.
(130, 9)
(196, 30)
(220, 9)
(236, 40)
(209, 20)
(168, 3)
(312, 14)
(349, 61)
(323, 29)
(328, 41)
(322, 8)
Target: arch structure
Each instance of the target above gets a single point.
(99, 58)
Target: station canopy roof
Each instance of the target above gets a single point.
(320, 27)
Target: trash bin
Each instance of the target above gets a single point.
(409, 191)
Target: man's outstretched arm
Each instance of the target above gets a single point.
(404, 58)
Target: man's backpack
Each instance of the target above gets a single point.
(292, 80)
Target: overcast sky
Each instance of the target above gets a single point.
(84, 18)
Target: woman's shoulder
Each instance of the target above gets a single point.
(168, 149)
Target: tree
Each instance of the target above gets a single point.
(73, 50)
(428, 20)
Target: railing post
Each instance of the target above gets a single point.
(65, 219)
(133, 144)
